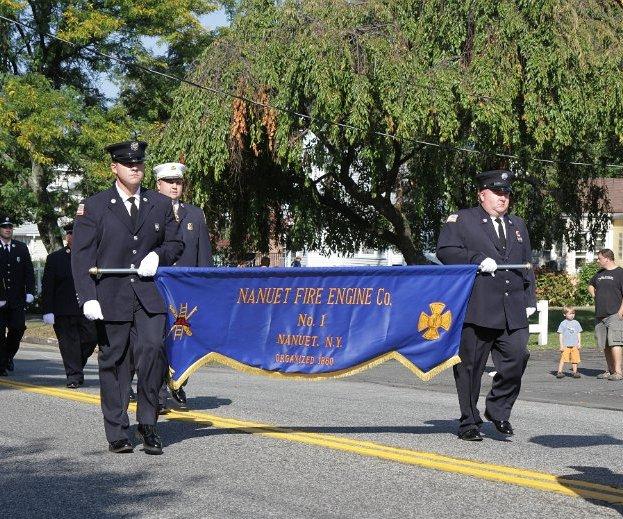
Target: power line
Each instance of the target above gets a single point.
(447, 147)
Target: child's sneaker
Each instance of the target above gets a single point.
(560, 374)
(577, 375)
(603, 375)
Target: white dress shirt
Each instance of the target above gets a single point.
(124, 198)
(495, 226)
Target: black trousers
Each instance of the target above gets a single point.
(12, 328)
(510, 355)
(126, 347)
(77, 337)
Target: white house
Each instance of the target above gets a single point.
(570, 260)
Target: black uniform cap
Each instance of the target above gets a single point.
(496, 180)
(127, 152)
(6, 220)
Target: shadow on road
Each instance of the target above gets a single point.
(60, 487)
(45, 371)
(207, 402)
(557, 441)
(601, 476)
(180, 429)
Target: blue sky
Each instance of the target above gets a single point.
(210, 21)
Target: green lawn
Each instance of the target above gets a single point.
(585, 316)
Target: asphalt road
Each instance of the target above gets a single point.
(380, 445)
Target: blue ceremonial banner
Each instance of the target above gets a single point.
(314, 322)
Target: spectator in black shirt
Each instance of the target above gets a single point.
(606, 287)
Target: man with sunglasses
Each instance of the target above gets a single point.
(126, 226)
(501, 301)
(197, 249)
(17, 276)
(76, 335)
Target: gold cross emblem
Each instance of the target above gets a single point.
(430, 324)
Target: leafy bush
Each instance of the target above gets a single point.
(587, 271)
(557, 287)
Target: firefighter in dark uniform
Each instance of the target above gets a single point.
(197, 249)
(126, 226)
(18, 282)
(497, 314)
(76, 335)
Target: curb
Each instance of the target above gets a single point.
(39, 340)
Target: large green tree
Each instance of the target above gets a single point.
(349, 115)
(54, 116)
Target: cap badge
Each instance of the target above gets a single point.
(504, 176)
(173, 167)
(134, 146)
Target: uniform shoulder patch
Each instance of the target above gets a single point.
(452, 218)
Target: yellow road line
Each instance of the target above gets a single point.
(487, 471)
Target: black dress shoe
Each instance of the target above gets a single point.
(132, 395)
(72, 385)
(120, 446)
(10, 366)
(180, 396)
(503, 426)
(152, 444)
(471, 435)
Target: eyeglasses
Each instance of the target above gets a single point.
(173, 181)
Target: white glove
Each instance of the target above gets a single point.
(530, 310)
(149, 265)
(92, 310)
(29, 298)
(2, 303)
(488, 266)
(48, 318)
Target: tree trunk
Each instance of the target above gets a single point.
(46, 217)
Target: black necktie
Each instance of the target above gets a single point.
(133, 212)
(501, 234)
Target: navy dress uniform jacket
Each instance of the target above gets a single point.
(104, 238)
(17, 273)
(197, 249)
(58, 294)
(499, 301)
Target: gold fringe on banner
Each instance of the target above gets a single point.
(217, 358)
